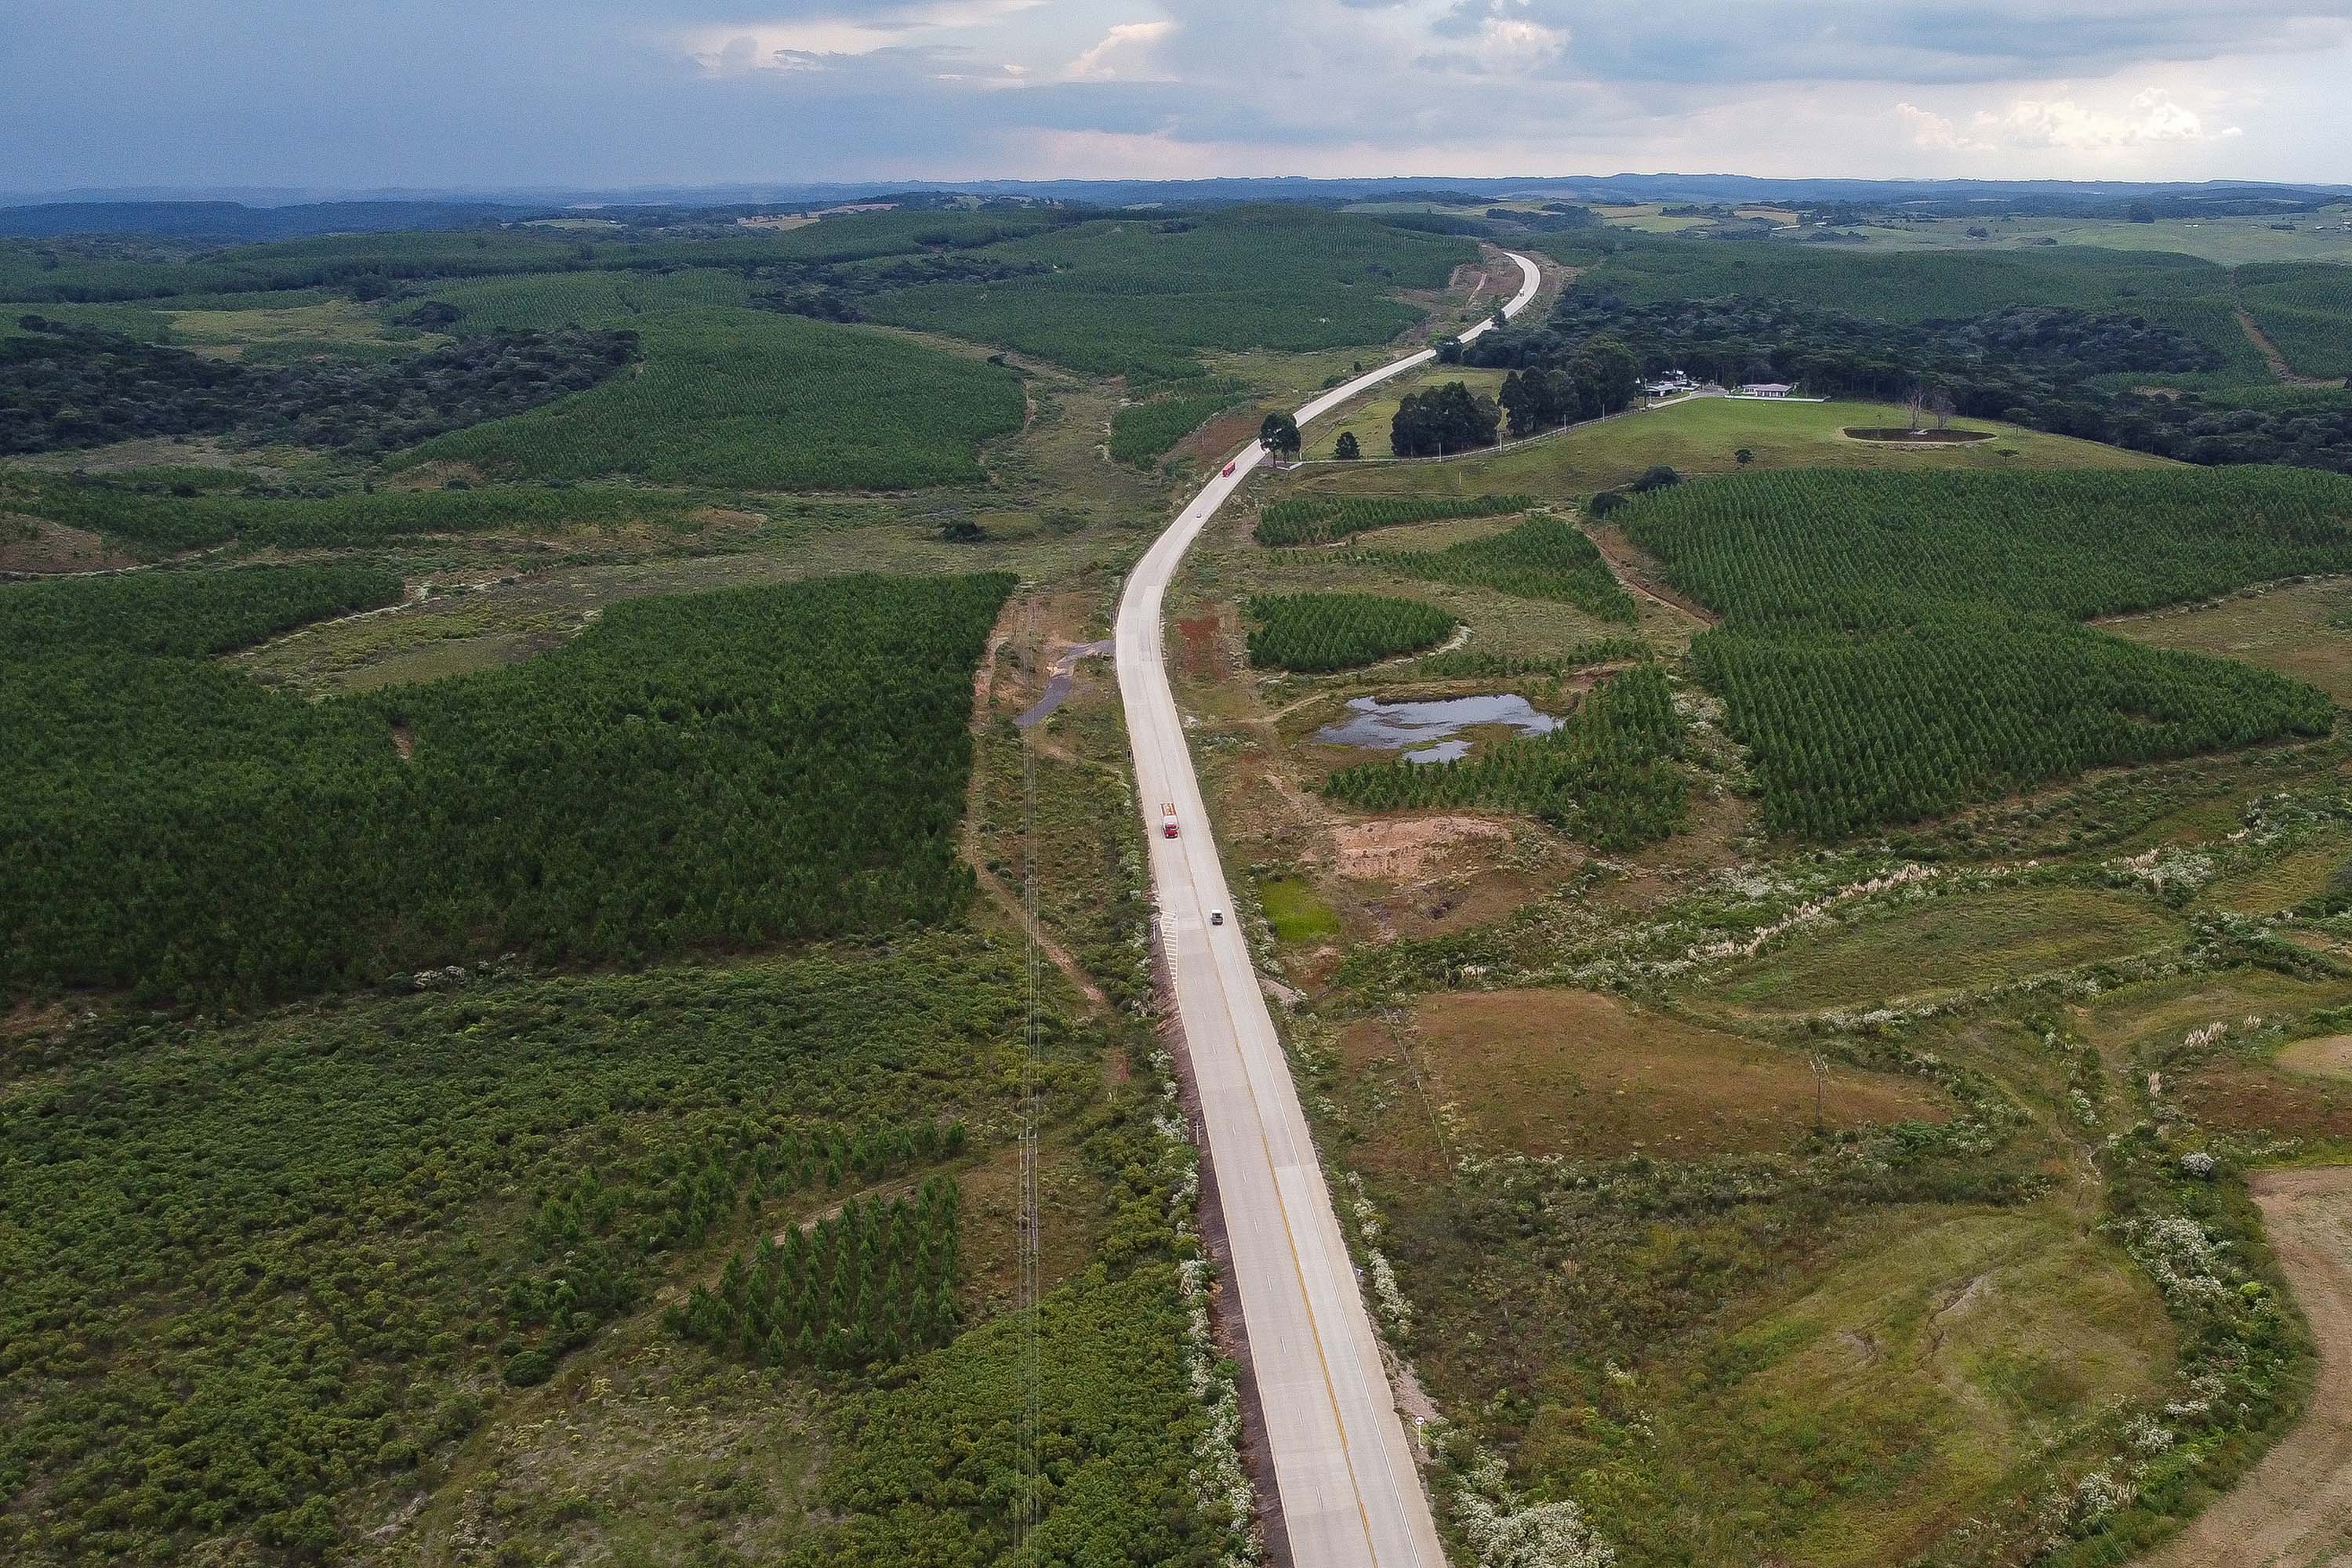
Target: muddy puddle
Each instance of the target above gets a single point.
(1432, 731)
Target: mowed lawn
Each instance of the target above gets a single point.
(1702, 435)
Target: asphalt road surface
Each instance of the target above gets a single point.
(1351, 1496)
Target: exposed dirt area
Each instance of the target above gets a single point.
(2280, 368)
(2328, 1058)
(1202, 650)
(1577, 1073)
(1644, 575)
(28, 545)
(1395, 849)
(1221, 437)
(403, 740)
(2295, 1510)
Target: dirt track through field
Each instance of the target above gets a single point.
(2295, 1510)
(2280, 368)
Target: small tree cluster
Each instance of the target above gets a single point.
(1442, 419)
(1600, 378)
(875, 1283)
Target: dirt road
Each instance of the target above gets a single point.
(2295, 1510)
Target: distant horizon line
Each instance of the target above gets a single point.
(719, 191)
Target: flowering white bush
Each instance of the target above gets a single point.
(1812, 912)
(2164, 870)
(1223, 1487)
(2144, 1434)
(2099, 1494)
(2179, 1253)
(1504, 1532)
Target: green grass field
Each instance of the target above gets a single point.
(1932, 948)
(1705, 436)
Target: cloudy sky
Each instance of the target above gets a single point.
(506, 93)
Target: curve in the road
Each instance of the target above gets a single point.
(1351, 1495)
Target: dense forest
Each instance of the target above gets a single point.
(63, 385)
(1898, 645)
(712, 771)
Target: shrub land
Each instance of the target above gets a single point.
(1315, 633)
(1898, 644)
(163, 511)
(1606, 775)
(715, 770)
(256, 1272)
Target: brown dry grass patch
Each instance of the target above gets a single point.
(26, 545)
(1576, 1073)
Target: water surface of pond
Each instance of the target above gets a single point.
(1431, 731)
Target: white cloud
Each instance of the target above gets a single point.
(2151, 117)
(730, 48)
(1102, 62)
(1518, 45)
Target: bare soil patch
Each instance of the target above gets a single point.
(1203, 653)
(1577, 1073)
(1638, 571)
(2297, 1507)
(2255, 1097)
(1399, 848)
(1220, 437)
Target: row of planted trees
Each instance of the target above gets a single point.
(876, 1283)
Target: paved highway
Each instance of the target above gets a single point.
(1351, 1495)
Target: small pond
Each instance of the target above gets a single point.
(1431, 731)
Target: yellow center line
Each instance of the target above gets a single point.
(1298, 1268)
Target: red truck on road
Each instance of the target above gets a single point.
(1168, 820)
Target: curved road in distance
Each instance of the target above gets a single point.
(1351, 1496)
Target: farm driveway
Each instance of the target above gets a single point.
(2295, 1510)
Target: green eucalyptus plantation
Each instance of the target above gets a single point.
(1314, 632)
(161, 510)
(763, 402)
(712, 771)
(1321, 520)
(1898, 645)
(1542, 558)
